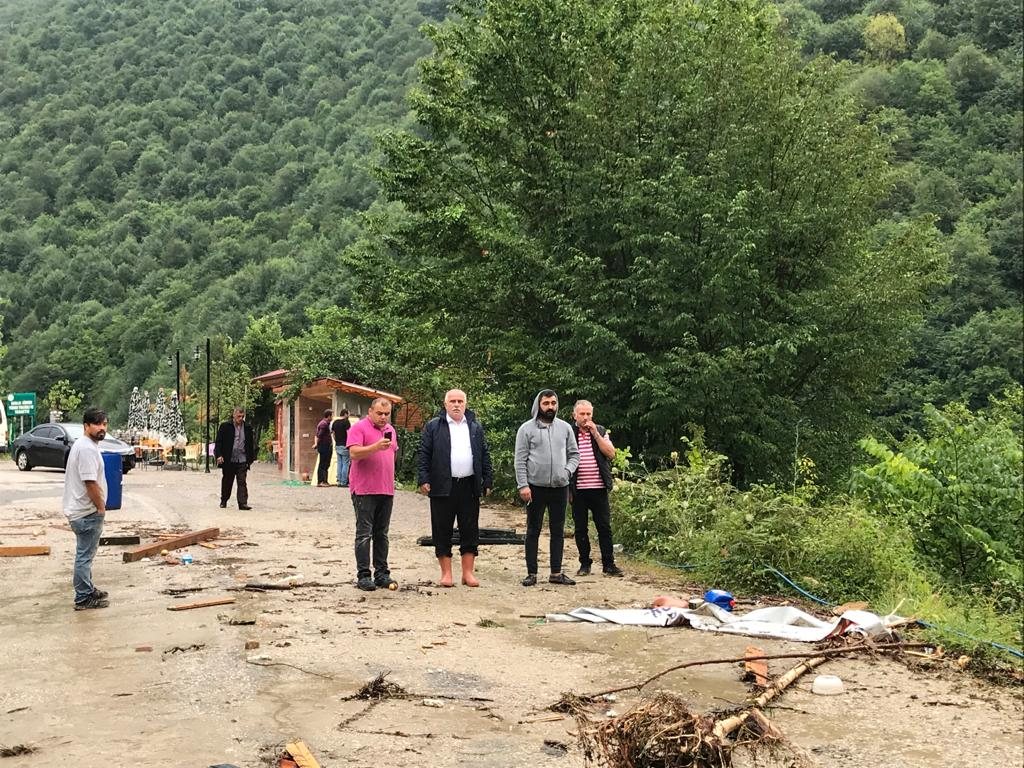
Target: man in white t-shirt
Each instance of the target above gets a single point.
(85, 498)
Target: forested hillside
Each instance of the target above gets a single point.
(168, 169)
(943, 80)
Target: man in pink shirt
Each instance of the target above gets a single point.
(372, 447)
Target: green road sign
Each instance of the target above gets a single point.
(21, 404)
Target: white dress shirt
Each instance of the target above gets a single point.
(462, 450)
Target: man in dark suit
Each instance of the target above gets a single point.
(455, 471)
(235, 451)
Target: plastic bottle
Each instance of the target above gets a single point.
(721, 598)
(186, 559)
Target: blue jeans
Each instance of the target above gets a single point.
(87, 535)
(343, 464)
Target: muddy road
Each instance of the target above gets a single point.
(81, 688)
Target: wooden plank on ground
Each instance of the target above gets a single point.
(118, 540)
(857, 605)
(300, 754)
(207, 545)
(201, 604)
(23, 551)
(756, 668)
(184, 540)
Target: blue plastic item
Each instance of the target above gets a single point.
(721, 598)
(112, 471)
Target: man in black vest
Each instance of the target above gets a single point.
(454, 470)
(590, 485)
(235, 451)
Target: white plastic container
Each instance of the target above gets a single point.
(827, 685)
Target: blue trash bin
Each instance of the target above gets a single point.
(112, 471)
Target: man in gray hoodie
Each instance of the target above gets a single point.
(546, 457)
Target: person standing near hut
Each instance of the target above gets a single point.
(324, 448)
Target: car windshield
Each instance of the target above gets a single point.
(74, 431)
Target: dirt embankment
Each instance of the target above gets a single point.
(77, 687)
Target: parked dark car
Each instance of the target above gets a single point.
(48, 445)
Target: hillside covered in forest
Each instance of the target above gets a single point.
(171, 170)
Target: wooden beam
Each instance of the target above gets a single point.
(301, 755)
(23, 551)
(201, 604)
(118, 540)
(756, 667)
(185, 540)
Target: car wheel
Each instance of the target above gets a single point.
(22, 460)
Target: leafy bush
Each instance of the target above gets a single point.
(879, 545)
(690, 514)
(959, 487)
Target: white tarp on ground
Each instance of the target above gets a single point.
(783, 622)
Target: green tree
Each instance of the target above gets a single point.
(586, 200)
(972, 73)
(884, 37)
(63, 399)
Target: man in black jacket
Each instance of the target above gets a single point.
(454, 470)
(590, 485)
(235, 451)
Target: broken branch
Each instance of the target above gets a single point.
(826, 653)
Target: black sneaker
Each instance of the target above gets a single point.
(561, 578)
(530, 580)
(366, 584)
(99, 594)
(583, 571)
(614, 570)
(244, 506)
(223, 505)
(385, 582)
(91, 602)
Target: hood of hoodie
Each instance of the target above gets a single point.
(535, 411)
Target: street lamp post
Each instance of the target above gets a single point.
(181, 398)
(206, 446)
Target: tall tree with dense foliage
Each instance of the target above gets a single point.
(657, 206)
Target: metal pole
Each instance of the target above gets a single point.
(206, 447)
(177, 374)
